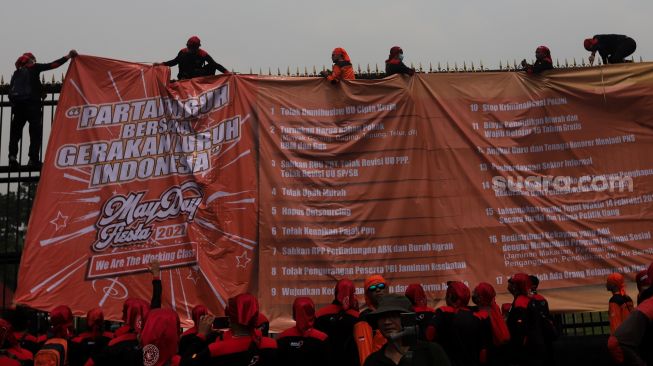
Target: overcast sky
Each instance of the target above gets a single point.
(248, 34)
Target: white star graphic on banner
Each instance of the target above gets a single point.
(60, 221)
(242, 260)
(193, 275)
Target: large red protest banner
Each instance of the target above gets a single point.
(470, 177)
(423, 179)
(139, 168)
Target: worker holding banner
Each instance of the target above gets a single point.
(194, 61)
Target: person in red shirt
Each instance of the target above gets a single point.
(342, 68)
(160, 338)
(423, 313)
(93, 341)
(464, 334)
(244, 347)
(303, 344)
(337, 320)
(643, 283)
(484, 296)
(369, 339)
(11, 353)
(527, 345)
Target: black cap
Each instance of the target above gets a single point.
(392, 303)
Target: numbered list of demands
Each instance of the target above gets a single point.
(547, 218)
(344, 195)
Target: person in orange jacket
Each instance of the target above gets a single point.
(342, 69)
(620, 304)
(369, 340)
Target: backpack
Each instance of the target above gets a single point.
(20, 86)
(53, 353)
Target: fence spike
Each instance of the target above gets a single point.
(557, 63)
(297, 70)
(582, 61)
(250, 70)
(566, 63)
(447, 66)
(305, 71)
(376, 68)
(2, 80)
(455, 66)
(420, 67)
(464, 66)
(314, 70)
(500, 65)
(288, 71)
(640, 59)
(43, 79)
(260, 71)
(473, 68)
(439, 68)
(514, 63)
(575, 62)
(430, 66)
(269, 71)
(481, 65)
(632, 58)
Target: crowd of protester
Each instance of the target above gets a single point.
(26, 91)
(390, 329)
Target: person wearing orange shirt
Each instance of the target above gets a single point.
(342, 69)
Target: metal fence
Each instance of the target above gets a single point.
(18, 185)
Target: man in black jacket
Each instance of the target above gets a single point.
(25, 93)
(194, 61)
(613, 48)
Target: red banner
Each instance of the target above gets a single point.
(140, 169)
(422, 179)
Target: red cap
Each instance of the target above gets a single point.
(589, 43)
(21, 61)
(160, 337)
(460, 291)
(193, 41)
(303, 311)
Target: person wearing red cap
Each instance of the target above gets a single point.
(337, 320)
(342, 68)
(194, 61)
(134, 314)
(484, 296)
(613, 48)
(11, 353)
(527, 344)
(465, 335)
(369, 339)
(620, 305)
(159, 338)
(543, 61)
(423, 313)
(190, 337)
(25, 95)
(91, 342)
(244, 347)
(395, 63)
(303, 344)
(631, 343)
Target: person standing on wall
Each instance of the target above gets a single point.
(25, 95)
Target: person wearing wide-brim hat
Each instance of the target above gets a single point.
(398, 351)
